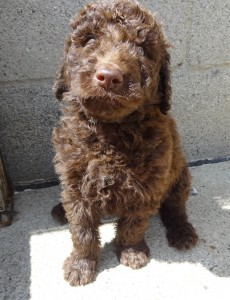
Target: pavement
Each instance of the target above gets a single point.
(33, 248)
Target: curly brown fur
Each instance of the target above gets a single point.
(117, 148)
(134, 256)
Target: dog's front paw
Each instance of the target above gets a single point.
(133, 259)
(135, 256)
(79, 271)
(182, 237)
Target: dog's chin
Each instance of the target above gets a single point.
(110, 109)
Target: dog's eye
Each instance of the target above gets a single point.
(141, 50)
(147, 51)
(89, 38)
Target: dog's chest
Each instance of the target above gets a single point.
(117, 169)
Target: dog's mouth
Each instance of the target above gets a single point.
(110, 106)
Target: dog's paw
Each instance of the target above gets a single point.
(58, 214)
(182, 237)
(79, 271)
(133, 258)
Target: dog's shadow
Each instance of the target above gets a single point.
(108, 258)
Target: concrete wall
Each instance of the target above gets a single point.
(32, 34)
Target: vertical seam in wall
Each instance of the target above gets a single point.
(187, 30)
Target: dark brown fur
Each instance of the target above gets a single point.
(117, 148)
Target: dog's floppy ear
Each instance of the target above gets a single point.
(61, 84)
(164, 86)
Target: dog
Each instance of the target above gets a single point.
(118, 151)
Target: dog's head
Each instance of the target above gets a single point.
(115, 61)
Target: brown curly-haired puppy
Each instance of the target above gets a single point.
(117, 148)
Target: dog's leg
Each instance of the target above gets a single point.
(58, 214)
(132, 250)
(80, 266)
(180, 232)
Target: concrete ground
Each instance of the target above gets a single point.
(33, 248)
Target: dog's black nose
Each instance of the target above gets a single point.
(108, 77)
